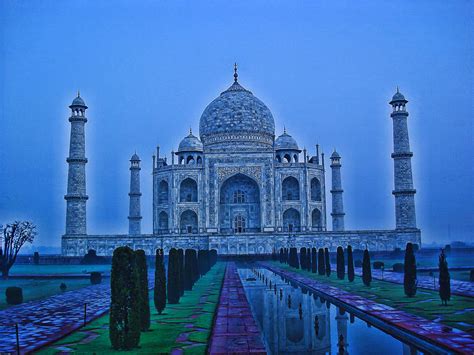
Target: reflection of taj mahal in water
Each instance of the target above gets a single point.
(237, 189)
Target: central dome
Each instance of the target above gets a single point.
(237, 116)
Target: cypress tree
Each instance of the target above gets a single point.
(287, 257)
(124, 321)
(293, 262)
(321, 263)
(327, 261)
(314, 263)
(366, 270)
(195, 264)
(409, 280)
(159, 293)
(188, 270)
(213, 257)
(173, 277)
(143, 287)
(201, 263)
(444, 279)
(340, 263)
(303, 258)
(181, 271)
(350, 264)
(281, 255)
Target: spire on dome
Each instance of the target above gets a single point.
(190, 131)
(235, 72)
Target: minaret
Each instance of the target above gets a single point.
(76, 196)
(134, 217)
(404, 192)
(336, 191)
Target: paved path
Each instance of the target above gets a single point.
(461, 288)
(449, 338)
(42, 322)
(235, 329)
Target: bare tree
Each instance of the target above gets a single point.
(14, 236)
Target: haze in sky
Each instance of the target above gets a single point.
(147, 70)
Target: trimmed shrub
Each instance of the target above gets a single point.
(378, 265)
(92, 258)
(36, 258)
(96, 277)
(173, 277)
(143, 288)
(321, 262)
(471, 275)
(409, 280)
(181, 271)
(314, 262)
(159, 293)
(340, 263)
(444, 279)
(303, 258)
(124, 325)
(358, 263)
(327, 261)
(188, 270)
(14, 295)
(63, 286)
(398, 267)
(350, 264)
(366, 271)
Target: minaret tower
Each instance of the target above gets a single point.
(336, 191)
(134, 217)
(76, 196)
(404, 192)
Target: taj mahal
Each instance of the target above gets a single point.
(238, 188)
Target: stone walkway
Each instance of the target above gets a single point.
(45, 321)
(449, 338)
(461, 288)
(235, 330)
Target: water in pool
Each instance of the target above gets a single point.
(293, 320)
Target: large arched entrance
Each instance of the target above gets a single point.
(291, 220)
(239, 205)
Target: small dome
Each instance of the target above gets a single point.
(335, 155)
(135, 157)
(398, 97)
(286, 142)
(78, 101)
(190, 143)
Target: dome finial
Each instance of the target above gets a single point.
(235, 72)
(78, 93)
(398, 91)
(190, 131)
(284, 129)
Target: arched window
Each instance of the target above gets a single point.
(295, 157)
(287, 158)
(188, 191)
(316, 219)
(163, 192)
(291, 220)
(278, 158)
(315, 189)
(163, 221)
(190, 160)
(189, 222)
(290, 189)
(199, 160)
(239, 196)
(239, 224)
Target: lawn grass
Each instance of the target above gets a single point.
(56, 269)
(165, 328)
(426, 303)
(34, 289)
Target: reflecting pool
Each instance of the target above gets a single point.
(295, 320)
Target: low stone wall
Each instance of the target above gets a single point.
(241, 244)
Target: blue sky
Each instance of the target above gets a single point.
(147, 70)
